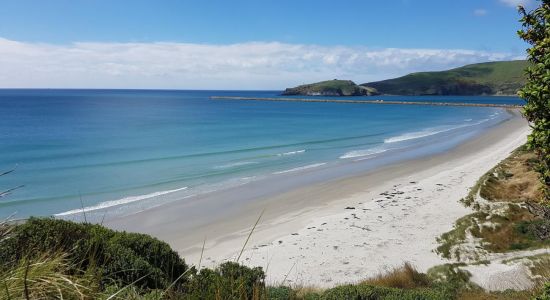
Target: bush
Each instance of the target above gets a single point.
(116, 256)
(229, 281)
(280, 293)
(545, 294)
(537, 90)
(369, 292)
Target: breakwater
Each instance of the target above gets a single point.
(349, 101)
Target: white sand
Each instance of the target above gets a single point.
(353, 237)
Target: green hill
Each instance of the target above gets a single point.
(492, 78)
(331, 88)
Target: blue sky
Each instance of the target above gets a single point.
(332, 32)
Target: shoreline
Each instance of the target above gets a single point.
(292, 242)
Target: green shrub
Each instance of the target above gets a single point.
(229, 281)
(545, 294)
(280, 293)
(537, 90)
(116, 256)
(369, 292)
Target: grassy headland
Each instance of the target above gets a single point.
(491, 78)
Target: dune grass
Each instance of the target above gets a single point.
(502, 222)
(46, 277)
(404, 277)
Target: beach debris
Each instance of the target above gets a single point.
(350, 207)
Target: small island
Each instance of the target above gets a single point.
(331, 88)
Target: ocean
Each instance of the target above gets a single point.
(123, 151)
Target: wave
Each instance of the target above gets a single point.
(415, 135)
(360, 153)
(112, 203)
(300, 168)
(433, 131)
(235, 164)
(292, 152)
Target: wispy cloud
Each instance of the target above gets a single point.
(480, 12)
(254, 65)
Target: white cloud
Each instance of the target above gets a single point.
(254, 65)
(480, 12)
(515, 3)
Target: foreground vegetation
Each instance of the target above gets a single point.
(56, 259)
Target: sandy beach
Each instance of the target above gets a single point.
(342, 230)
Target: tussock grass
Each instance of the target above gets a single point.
(514, 180)
(403, 277)
(501, 222)
(46, 277)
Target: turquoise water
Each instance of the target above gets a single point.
(127, 150)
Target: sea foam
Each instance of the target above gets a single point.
(361, 153)
(292, 152)
(235, 164)
(112, 203)
(300, 168)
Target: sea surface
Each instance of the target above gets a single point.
(123, 151)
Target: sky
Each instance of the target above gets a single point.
(246, 44)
